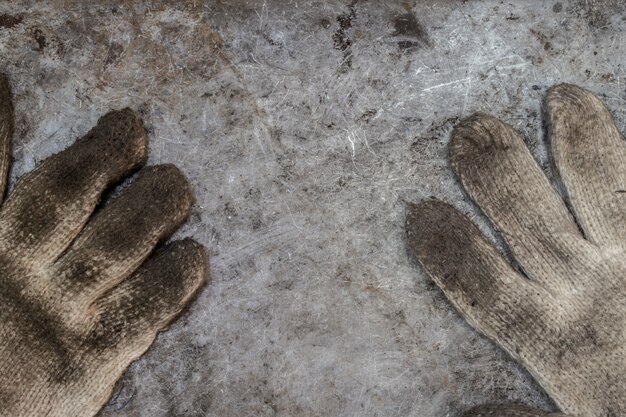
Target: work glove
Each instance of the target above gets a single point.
(508, 411)
(560, 309)
(82, 294)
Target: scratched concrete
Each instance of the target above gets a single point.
(305, 127)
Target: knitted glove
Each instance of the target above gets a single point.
(559, 310)
(82, 295)
(508, 411)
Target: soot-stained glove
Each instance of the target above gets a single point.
(562, 314)
(508, 411)
(82, 294)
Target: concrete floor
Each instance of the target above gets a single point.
(305, 127)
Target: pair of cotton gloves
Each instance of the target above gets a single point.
(83, 294)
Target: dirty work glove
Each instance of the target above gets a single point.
(562, 314)
(508, 411)
(81, 294)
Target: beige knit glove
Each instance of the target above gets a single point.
(562, 311)
(82, 295)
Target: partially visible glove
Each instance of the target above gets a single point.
(562, 314)
(83, 296)
(508, 411)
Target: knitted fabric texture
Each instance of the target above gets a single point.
(509, 411)
(560, 311)
(83, 294)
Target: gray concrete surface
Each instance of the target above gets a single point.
(305, 128)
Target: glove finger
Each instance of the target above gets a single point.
(495, 299)
(131, 314)
(590, 158)
(121, 235)
(51, 203)
(7, 122)
(508, 411)
(501, 176)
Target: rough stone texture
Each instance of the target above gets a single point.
(305, 127)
